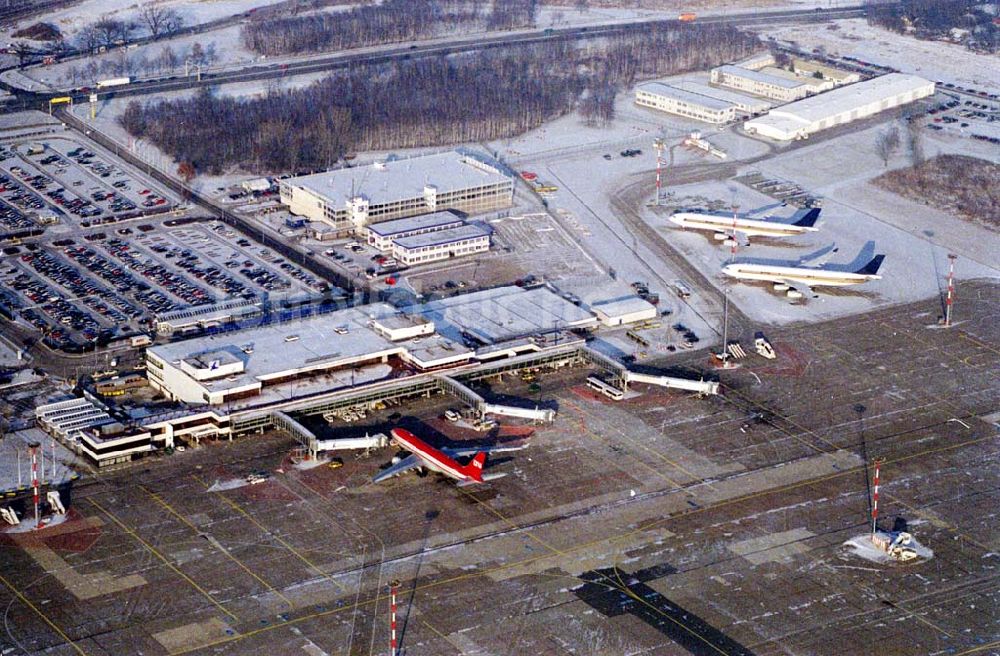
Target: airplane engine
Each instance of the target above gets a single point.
(720, 236)
(729, 242)
(396, 460)
(793, 293)
(781, 287)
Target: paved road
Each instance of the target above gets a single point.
(322, 63)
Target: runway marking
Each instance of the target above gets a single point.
(156, 497)
(235, 506)
(153, 550)
(976, 650)
(442, 636)
(45, 618)
(487, 571)
(511, 523)
(654, 470)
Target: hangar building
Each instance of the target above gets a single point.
(849, 103)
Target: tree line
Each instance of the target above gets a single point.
(391, 21)
(934, 19)
(483, 95)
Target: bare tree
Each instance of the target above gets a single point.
(111, 31)
(89, 38)
(886, 144)
(160, 20)
(409, 104)
(167, 58)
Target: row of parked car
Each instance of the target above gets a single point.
(213, 275)
(174, 283)
(83, 288)
(59, 195)
(122, 281)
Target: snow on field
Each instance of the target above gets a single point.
(571, 156)
(915, 238)
(72, 19)
(930, 59)
(108, 111)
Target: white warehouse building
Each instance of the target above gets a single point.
(761, 83)
(849, 103)
(351, 198)
(682, 102)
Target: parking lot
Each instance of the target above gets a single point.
(55, 179)
(114, 282)
(960, 113)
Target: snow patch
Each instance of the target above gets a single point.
(863, 547)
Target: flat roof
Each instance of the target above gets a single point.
(383, 182)
(442, 237)
(433, 220)
(503, 313)
(621, 307)
(275, 349)
(726, 95)
(759, 76)
(804, 112)
(669, 91)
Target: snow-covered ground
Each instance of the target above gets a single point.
(915, 238)
(930, 59)
(72, 19)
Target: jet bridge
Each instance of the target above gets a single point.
(481, 407)
(700, 386)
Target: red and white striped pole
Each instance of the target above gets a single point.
(34, 476)
(878, 464)
(393, 587)
(951, 289)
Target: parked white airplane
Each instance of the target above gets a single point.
(811, 271)
(743, 226)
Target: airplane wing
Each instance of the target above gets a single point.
(820, 257)
(742, 238)
(471, 451)
(801, 287)
(404, 465)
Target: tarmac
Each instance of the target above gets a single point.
(661, 524)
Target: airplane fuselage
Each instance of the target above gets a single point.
(749, 227)
(430, 458)
(805, 275)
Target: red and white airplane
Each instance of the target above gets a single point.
(425, 457)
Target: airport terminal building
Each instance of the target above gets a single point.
(842, 105)
(350, 199)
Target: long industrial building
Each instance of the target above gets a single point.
(682, 102)
(349, 199)
(744, 103)
(849, 103)
(761, 83)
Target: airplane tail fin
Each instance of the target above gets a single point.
(808, 218)
(475, 467)
(872, 267)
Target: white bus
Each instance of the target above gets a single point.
(610, 391)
